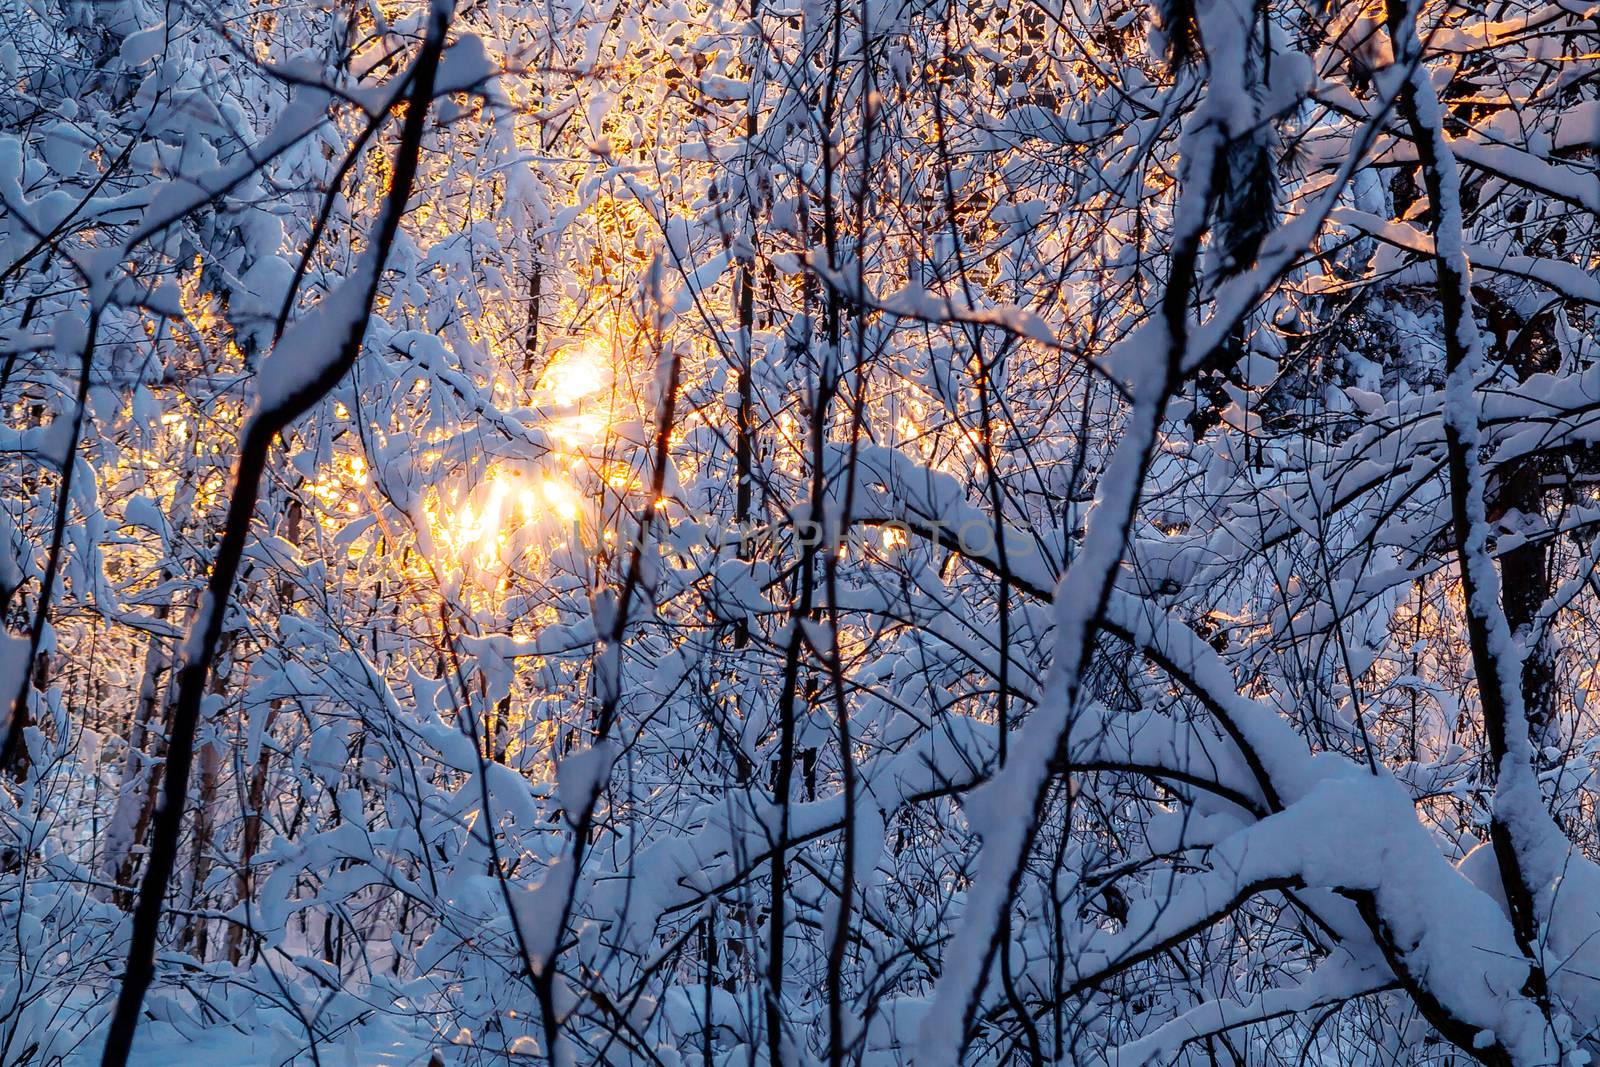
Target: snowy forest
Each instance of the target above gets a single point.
(799, 533)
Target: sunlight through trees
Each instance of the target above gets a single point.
(891, 533)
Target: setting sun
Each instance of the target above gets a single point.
(574, 375)
(851, 534)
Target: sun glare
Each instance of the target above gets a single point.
(489, 524)
(562, 499)
(574, 375)
(492, 523)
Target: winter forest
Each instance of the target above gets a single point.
(799, 533)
